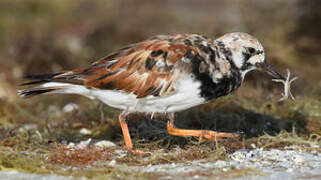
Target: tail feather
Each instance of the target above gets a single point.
(34, 82)
(43, 80)
(39, 78)
(26, 93)
(43, 76)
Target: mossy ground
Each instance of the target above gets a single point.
(32, 147)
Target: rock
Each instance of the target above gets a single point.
(85, 131)
(27, 127)
(84, 144)
(71, 145)
(225, 169)
(104, 144)
(80, 145)
(70, 107)
(112, 162)
(253, 145)
(239, 155)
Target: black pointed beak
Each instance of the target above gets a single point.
(271, 70)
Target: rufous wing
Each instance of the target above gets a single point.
(146, 68)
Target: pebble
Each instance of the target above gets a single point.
(253, 146)
(225, 169)
(84, 144)
(85, 131)
(112, 162)
(80, 145)
(239, 155)
(27, 127)
(70, 107)
(71, 145)
(104, 144)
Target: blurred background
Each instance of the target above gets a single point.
(38, 36)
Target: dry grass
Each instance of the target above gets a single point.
(62, 155)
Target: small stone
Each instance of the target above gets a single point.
(28, 127)
(85, 131)
(104, 144)
(196, 177)
(70, 107)
(112, 162)
(239, 155)
(71, 145)
(83, 144)
(225, 169)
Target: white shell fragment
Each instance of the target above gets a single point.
(287, 86)
(85, 131)
(104, 144)
(80, 145)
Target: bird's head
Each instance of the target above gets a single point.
(247, 53)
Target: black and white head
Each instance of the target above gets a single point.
(247, 53)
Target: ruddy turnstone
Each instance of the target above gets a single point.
(164, 74)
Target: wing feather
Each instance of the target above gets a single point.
(145, 68)
(151, 67)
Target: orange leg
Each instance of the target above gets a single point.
(124, 128)
(201, 134)
(127, 139)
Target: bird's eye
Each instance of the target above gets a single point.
(251, 50)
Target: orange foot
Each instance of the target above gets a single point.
(214, 135)
(201, 134)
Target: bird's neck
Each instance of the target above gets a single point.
(211, 89)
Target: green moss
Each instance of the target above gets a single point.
(22, 162)
(313, 142)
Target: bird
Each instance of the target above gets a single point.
(163, 74)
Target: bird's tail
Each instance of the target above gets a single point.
(26, 93)
(48, 83)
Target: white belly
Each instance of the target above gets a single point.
(186, 96)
